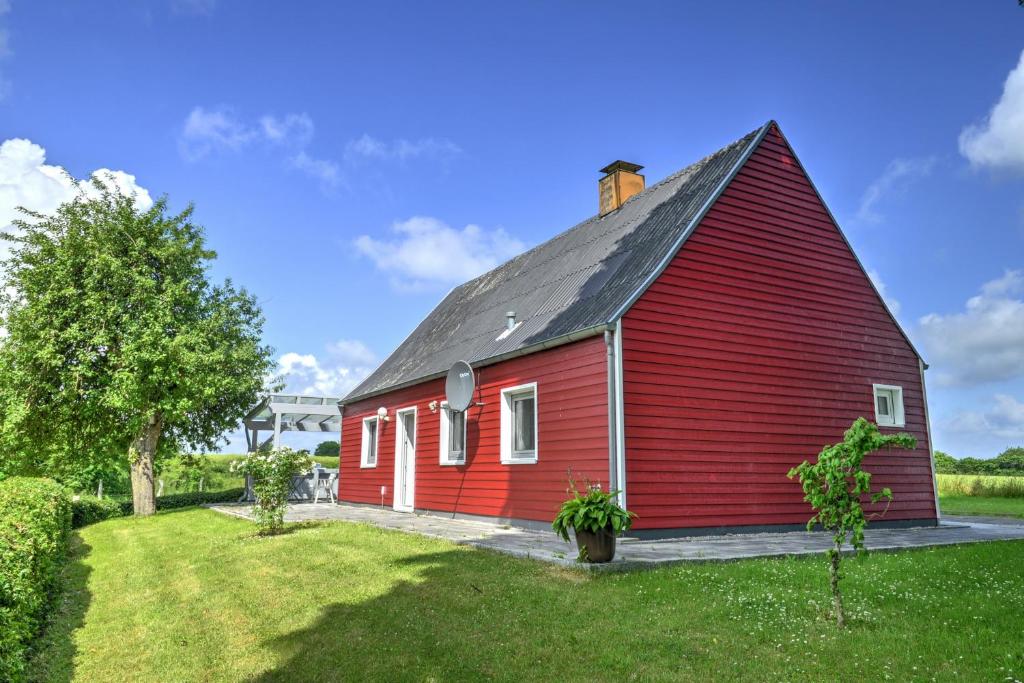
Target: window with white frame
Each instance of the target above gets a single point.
(889, 405)
(453, 436)
(371, 426)
(519, 424)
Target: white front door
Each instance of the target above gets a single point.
(405, 460)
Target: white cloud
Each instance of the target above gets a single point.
(426, 251)
(1004, 419)
(892, 303)
(346, 363)
(219, 130)
(368, 147)
(293, 129)
(998, 141)
(983, 343)
(213, 130)
(209, 131)
(27, 180)
(893, 182)
(324, 170)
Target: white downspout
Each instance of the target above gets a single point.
(620, 432)
(613, 442)
(931, 446)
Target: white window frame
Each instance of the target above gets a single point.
(364, 454)
(895, 394)
(445, 433)
(507, 394)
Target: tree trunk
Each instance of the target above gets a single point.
(837, 598)
(143, 454)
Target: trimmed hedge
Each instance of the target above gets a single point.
(90, 509)
(35, 521)
(184, 500)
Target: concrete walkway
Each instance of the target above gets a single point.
(636, 554)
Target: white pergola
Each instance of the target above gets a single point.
(290, 412)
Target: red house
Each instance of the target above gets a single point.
(688, 346)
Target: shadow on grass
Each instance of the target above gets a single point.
(53, 657)
(422, 629)
(289, 528)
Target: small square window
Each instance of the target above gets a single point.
(453, 436)
(519, 424)
(368, 456)
(889, 405)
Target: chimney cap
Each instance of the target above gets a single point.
(620, 165)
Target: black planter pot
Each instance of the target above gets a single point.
(595, 546)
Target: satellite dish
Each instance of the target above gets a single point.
(459, 386)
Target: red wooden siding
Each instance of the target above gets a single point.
(756, 346)
(572, 430)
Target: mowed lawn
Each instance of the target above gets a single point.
(978, 505)
(192, 595)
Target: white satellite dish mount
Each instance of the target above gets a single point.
(459, 386)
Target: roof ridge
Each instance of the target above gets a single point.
(647, 191)
(565, 290)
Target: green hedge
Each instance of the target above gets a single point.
(35, 520)
(184, 500)
(90, 509)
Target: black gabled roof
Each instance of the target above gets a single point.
(573, 285)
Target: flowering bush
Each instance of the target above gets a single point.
(271, 474)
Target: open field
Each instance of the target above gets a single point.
(980, 485)
(191, 595)
(975, 494)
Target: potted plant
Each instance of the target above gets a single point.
(596, 520)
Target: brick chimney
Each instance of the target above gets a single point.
(621, 181)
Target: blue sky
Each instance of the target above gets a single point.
(352, 162)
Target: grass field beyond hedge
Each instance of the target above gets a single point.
(980, 485)
(191, 595)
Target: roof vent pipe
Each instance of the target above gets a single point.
(510, 320)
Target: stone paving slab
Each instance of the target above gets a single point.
(637, 554)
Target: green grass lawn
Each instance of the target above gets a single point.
(192, 595)
(977, 505)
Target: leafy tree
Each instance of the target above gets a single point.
(834, 486)
(945, 463)
(118, 343)
(329, 448)
(976, 466)
(1011, 461)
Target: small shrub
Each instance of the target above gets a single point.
(271, 475)
(834, 486)
(35, 521)
(87, 510)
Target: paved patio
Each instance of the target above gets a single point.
(637, 554)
